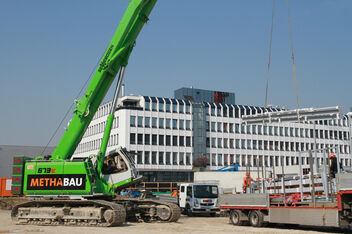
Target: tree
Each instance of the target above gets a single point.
(201, 161)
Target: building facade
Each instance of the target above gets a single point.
(168, 134)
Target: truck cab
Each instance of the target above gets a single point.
(198, 198)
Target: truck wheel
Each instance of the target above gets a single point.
(256, 218)
(189, 211)
(235, 217)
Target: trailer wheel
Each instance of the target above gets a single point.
(235, 217)
(256, 218)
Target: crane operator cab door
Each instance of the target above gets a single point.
(119, 168)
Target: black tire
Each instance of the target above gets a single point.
(256, 218)
(235, 218)
(212, 214)
(189, 211)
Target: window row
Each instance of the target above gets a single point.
(276, 131)
(212, 142)
(96, 144)
(153, 139)
(100, 127)
(163, 158)
(103, 110)
(163, 123)
(167, 105)
(257, 161)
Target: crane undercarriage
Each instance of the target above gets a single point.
(93, 212)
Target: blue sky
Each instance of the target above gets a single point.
(49, 48)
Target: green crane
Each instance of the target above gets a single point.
(86, 180)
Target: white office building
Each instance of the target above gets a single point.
(168, 134)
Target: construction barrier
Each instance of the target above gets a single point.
(5, 187)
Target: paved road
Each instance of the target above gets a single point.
(184, 225)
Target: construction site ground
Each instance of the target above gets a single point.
(200, 224)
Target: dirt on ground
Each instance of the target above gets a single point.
(184, 225)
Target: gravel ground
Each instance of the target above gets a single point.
(184, 225)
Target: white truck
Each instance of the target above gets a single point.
(198, 198)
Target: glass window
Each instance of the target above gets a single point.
(259, 129)
(243, 129)
(188, 124)
(139, 157)
(174, 107)
(188, 109)
(281, 131)
(182, 141)
(218, 111)
(207, 126)
(181, 158)
(237, 143)
(254, 128)
(219, 126)
(140, 121)
(243, 144)
(231, 127)
(181, 124)
(174, 158)
(220, 160)
(180, 108)
(154, 139)
(212, 111)
(154, 158)
(161, 106)
(154, 106)
(213, 142)
(140, 139)
(168, 140)
(188, 158)
(188, 141)
(132, 121)
(132, 138)
(147, 139)
(147, 105)
(154, 120)
(146, 157)
(265, 131)
(225, 127)
(161, 123)
(213, 127)
(219, 142)
(213, 159)
(249, 144)
(161, 158)
(161, 139)
(237, 128)
(174, 140)
(168, 123)
(174, 124)
(207, 142)
(254, 144)
(147, 122)
(168, 158)
(168, 107)
(226, 143)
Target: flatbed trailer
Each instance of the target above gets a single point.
(261, 209)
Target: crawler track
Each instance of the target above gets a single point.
(69, 212)
(150, 210)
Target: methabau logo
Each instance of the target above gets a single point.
(56, 182)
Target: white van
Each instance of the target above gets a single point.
(198, 198)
